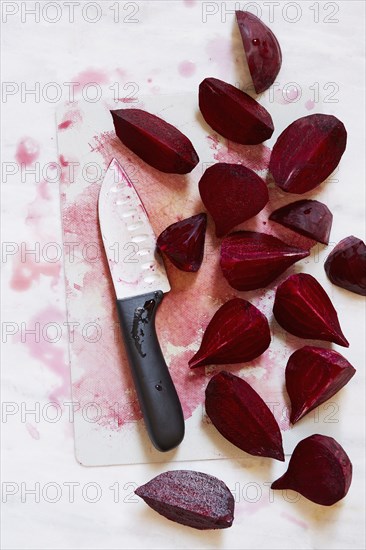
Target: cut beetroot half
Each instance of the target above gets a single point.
(232, 194)
(307, 152)
(303, 308)
(242, 417)
(310, 218)
(319, 469)
(251, 260)
(191, 498)
(314, 375)
(155, 141)
(238, 332)
(233, 113)
(262, 50)
(183, 242)
(346, 265)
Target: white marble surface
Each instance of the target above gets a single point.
(37, 452)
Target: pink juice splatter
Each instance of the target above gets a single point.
(186, 68)
(27, 151)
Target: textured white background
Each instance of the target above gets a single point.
(148, 53)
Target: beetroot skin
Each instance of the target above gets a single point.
(242, 417)
(310, 218)
(319, 469)
(307, 152)
(346, 265)
(155, 141)
(232, 194)
(191, 498)
(303, 308)
(233, 113)
(183, 242)
(314, 375)
(262, 50)
(238, 332)
(251, 260)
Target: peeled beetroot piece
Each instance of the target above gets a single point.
(190, 498)
(155, 141)
(233, 113)
(314, 375)
(242, 417)
(262, 50)
(307, 217)
(238, 332)
(307, 152)
(183, 242)
(251, 260)
(319, 469)
(232, 194)
(303, 308)
(346, 265)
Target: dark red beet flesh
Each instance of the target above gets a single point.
(238, 332)
(346, 265)
(191, 498)
(233, 113)
(242, 417)
(262, 50)
(303, 308)
(251, 260)
(232, 194)
(155, 141)
(319, 469)
(307, 152)
(314, 375)
(310, 218)
(183, 242)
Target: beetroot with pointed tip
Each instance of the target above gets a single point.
(233, 113)
(310, 218)
(307, 152)
(314, 375)
(303, 308)
(251, 260)
(346, 265)
(262, 50)
(232, 194)
(191, 498)
(242, 417)
(183, 242)
(238, 332)
(155, 141)
(319, 469)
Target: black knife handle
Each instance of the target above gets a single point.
(156, 392)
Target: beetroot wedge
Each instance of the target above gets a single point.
(183, 242)
(346, 265)
(238, 332)
(262, 50)
(242, 417)
(232, 194)
(307, 152)
(233, 113)
(310, 218)
(155, 141)
(314, 375)
(303, 308)
(319, 469)
(251, 260)
(191, 498)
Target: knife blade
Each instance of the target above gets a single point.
(140, 281)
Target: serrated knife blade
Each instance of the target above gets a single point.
(140, 281)
(129, 240)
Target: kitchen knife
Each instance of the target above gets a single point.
(140, 280)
